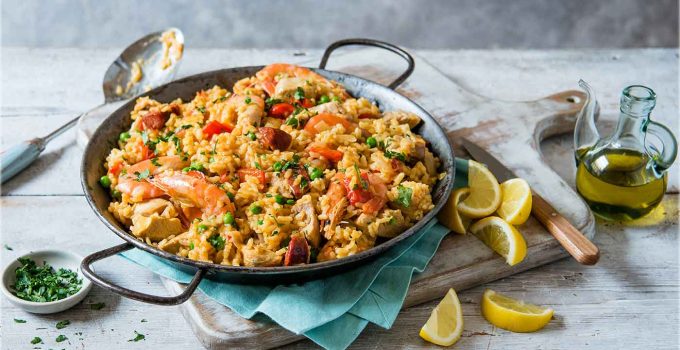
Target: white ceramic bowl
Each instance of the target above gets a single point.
(56, 259)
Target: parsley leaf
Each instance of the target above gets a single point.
(63, 324)
(143, 175)
(201, 109)
(8, 247)
(97, 306)
(248, 100)
(396, 155)
(36, 340)
(216, 241)
(19, 320)
(138, 337)
(405, 196)
(155, 161)
(271, 101)
(299, 93)
(61, 338)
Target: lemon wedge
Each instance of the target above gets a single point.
(502, 237)
(513, 315)
(515, 201)
(449, 215)
(445, 325)
(485, 192)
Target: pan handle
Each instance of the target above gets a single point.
(375, 43)
(85, 266)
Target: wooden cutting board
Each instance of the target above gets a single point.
(512, 131)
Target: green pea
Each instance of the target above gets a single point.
(252, 136)
(124, 136)
(316, 174)
(371, 142)
(277, 166)
(290, 201)
(279, 199)
(202, 228)
(335, 98)
(324, 99)
(117, 195)
(105, 181)
(228, 218)
(255, 209)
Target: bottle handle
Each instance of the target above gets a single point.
(664, 158)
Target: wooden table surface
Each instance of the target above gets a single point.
(629, 300)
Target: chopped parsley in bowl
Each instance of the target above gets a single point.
(45, 281)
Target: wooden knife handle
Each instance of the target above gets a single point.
(580, 247)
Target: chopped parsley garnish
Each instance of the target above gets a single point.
(291, 164)
(19, 320)
(191, 246)
(97, 306)
(143, 320)
(36, 340)
(316, 173)
(201, 109)
(8, 247)
(392, 221)
(304, 182)
(143, 175)
(216, 241)
(396, 155)
(299, 93)
(155, 161)
(138, 337)
(248, 100)
(63, 324)
(271, 101)
(231, 196)
(292, 121)
(255, 209)
(405, 196)
(44, 283)
(61, 338)
(194, 166)
(258, 166)
(185, 126)
(364, 183)
(260, 222)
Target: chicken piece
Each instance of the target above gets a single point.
(403, 118)
(174, 244)
(260, 256)
(390, 223)
(160, 206)
(298, 252)
(423, 154)
(155, 227)
(306, 216)
(274, 139)
(332, 107)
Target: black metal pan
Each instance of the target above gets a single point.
(106, 136)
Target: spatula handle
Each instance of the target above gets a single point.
(580, 247)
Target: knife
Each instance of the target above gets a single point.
(580, 247)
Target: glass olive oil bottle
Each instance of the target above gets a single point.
(623, 176)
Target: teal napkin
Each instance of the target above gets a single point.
(333, 311)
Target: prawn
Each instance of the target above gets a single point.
(245, 109)
(131, 181)
(194, 191)
(279, 78)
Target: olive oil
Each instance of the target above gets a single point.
(619, 184)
